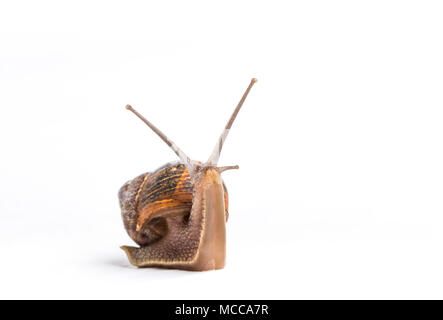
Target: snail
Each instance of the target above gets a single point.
(177, 214)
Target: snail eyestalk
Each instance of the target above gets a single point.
(183, 157)
(222, 169)
(213, 159)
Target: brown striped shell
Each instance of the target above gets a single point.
(149, 199)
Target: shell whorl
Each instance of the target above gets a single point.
(147, 200)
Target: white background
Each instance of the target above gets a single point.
(339, 192)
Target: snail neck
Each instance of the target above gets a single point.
(209, 194)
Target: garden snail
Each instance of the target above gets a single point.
(177, 214)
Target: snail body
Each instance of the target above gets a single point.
(177, 213)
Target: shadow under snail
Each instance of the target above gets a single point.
(177, 214)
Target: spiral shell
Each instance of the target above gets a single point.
(147, 200)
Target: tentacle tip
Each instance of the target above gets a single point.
(254, 80)
(128, 107)
(223, 169)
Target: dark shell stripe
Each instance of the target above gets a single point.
(171, 181)
(127, 195)
(165, 182)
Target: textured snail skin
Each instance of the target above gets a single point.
(178, 213)
(177, 223)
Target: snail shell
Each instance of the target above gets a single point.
(150, 199)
